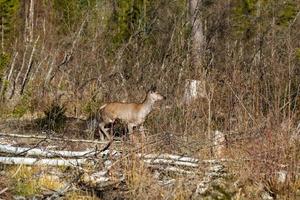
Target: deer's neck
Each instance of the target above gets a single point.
(147, 106)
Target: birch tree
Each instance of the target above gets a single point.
(197, 34)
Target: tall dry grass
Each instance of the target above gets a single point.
(252, 72)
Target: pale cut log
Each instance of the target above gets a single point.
(193, 89)
(170, 162)
(170, 157)
(215, 172)
(170, 169)
(101, 180)
(282, 176)
(167, 182)
(148, 158)
(96, 178)
(52, 138)
(44, 152)
(219, 142)
(36, 161)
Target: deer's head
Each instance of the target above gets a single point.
(154, 95)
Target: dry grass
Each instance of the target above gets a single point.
(31, 181)
(251, 65)
(80, 195)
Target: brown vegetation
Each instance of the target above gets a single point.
(72, 56)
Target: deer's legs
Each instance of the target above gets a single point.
(142, 130)
(130, 131)
(130, 128)
(101, 125)
(101, 135)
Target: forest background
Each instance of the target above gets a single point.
(78, 54)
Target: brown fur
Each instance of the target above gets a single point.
(133, 114)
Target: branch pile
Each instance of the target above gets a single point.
(102, 177)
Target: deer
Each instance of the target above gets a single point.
(132, 114)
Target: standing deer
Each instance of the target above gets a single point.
(133, 114)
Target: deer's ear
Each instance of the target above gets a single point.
(153, 88)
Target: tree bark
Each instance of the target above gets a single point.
(197, 34)
(44, 152)
(197, 42)
(42, 137)
(37, 161)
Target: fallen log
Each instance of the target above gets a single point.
(215, 172)
(45, 152)
(37, 161)
(181, 159)
(158, 159)
(169, 157)
(52, 138)
(170, 169)
(170, 162)
(54, 153)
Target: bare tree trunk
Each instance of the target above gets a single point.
(197, 37)
(6, 81)
(31, 20)
(197, 47)
(18, 84)
(2, 34)
(29, 66)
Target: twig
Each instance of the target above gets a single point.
(242, 104)
(294, 20)
(61, 192)
(28, 149)
(69, 55)
(4, 190)
(17, 171)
